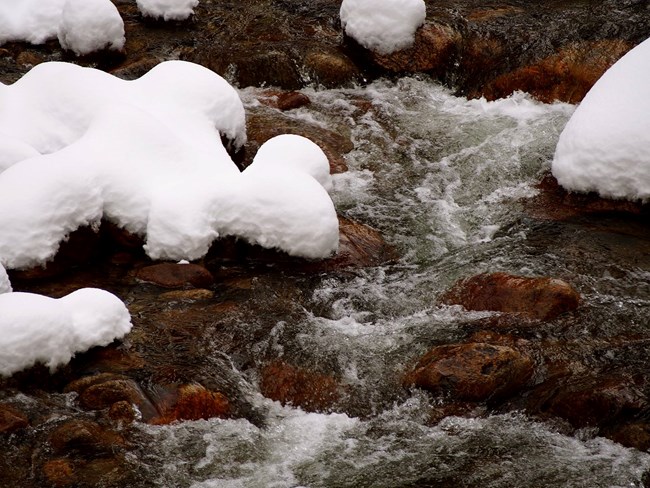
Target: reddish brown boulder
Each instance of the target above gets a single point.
(103, 390)
(434, 46)
(288, 384)
(472, 372)
(565, 76)
(636, 435)
(11, 419)
(331, 68)
(535, 298)
(173, 275)
(85, 438)
(359, 246)
(59, 472)
(190, 402)
(292, 100)
(123, 411)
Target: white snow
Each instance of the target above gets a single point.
(82, 26)
(383, 26)
(167, 9)
(90, 25)
(5, 285)
(146, 154)
(35, 328)
(605, 146)
(295, 153)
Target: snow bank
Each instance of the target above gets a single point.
(5, 285)
(82, 26)
(383, 26)
(90, 25)
(35, 328)
(605, 147)
(146, 154)
(167, 9)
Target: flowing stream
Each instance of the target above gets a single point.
(447, 181)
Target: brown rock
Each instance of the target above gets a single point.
(59, 472)
(187, 295)
(535, 298)
(190, 402)
(359, 246)
(172, 275)
(11, 419)
(291, 100)
(636, 435)
(565, 76)
(103, 394)
(472, 372)
(432, 51)
(597, 401)
(85, 438)
(123, 411)
(331, 68)
(287, 384)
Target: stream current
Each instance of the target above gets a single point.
(446, 181)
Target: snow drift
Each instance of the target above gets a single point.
(605, 146)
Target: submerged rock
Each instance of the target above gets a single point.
(85, 438)
(299, 387)
(11, 419)
(189, 402)
(472, 372)
(173, 275)
(535, 298)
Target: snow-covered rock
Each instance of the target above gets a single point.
(35, 328)
(90, 25)
(5, 285)
(33, 21)
(146, 155)
(605, 146)
(383, 26)
(167, 9)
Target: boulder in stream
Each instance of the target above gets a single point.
(472, 372)
(534, 298)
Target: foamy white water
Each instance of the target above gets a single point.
(443, 178)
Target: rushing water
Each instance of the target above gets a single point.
(445, 180)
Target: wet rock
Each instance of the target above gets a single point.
(85, 438)
(432, 52)
(292, 100)
(331, 68)
(472, 372)
(535, 298)
(187, 295)
(173, 275)
(555, 203)
(190, 402)
(299, 387)
(262, 125)
(566, 76)
(59, 472)
(596, 400)
(123, 411)
(636, 435)
(102, 391)
(359, 246)
(11, 419)
(109, 359)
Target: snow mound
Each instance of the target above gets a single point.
(294, 153)
(167, 9)
(146, 155)
(383, 26)
(82, 26)
(605, 146)
(35, 328)
(90, 25)
(5, 285)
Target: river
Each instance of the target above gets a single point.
(448, 181)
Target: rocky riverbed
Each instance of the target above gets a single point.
(471, 296)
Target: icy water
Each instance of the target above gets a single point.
(446, 180)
